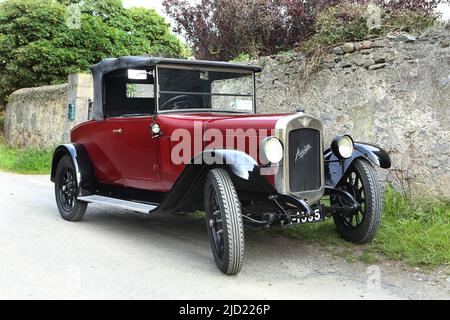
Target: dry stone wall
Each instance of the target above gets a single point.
(394, 92)
(391, 92)
(38, 117)
(35, 117)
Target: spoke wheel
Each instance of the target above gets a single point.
(353, 184)
(361, 182)
(224, 221)
(215, 224)
(66, 191)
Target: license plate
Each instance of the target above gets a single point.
(318, 216)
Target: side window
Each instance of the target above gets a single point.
(140, 90)
(129, 93)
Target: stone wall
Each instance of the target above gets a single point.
(38, 117)
(35, 117)
(391, 92)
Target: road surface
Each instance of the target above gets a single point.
(114, 254)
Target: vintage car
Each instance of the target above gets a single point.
(174, 135)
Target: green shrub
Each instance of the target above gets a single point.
(37, 47)
(336, 24)
(348, 22)
(242, 57)
(406, 20)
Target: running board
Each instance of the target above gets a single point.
(124, 204)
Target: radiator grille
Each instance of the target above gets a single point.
(304, 160)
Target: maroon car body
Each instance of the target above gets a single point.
(131, 159)
(175, 135)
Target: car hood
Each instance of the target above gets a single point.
(244, 122)
(229, 121)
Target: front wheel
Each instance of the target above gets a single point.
(362, 183)
(66, 191)
(224, 221)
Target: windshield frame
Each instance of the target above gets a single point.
(205, 68)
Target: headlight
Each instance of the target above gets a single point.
(342, 146)
(156, 129)
(271, 150)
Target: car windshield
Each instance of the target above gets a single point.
(205, 89)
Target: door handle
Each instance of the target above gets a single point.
(118, 131)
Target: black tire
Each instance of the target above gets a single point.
(66, 191)
(362, 183)
(224, 221)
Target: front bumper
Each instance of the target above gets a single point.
(293, 210)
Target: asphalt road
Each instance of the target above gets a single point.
(114, 254)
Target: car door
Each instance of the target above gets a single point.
(124, 136)
(133, 151)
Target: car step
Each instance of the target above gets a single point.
(124, 204)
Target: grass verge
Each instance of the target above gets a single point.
(27, 161)
(411, 231)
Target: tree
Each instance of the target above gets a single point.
(224, 29)
(37, 47)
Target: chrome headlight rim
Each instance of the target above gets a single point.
(156, 129)
(342, 146)
(271, 150)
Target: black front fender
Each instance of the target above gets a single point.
(239, 163)
(187, 191)
(336, 168)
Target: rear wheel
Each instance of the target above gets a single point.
(224, 221)
(66, 191)
(362, 183)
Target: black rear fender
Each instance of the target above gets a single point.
(81, 162)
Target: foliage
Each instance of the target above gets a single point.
(27, 161)
(225, 29)
(37, 47)
(2, 122)
(417, 232)
(348, 22)
(425, 7)
(407, 20)
(242, 57)
(337, 24)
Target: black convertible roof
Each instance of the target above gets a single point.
(111, 64)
